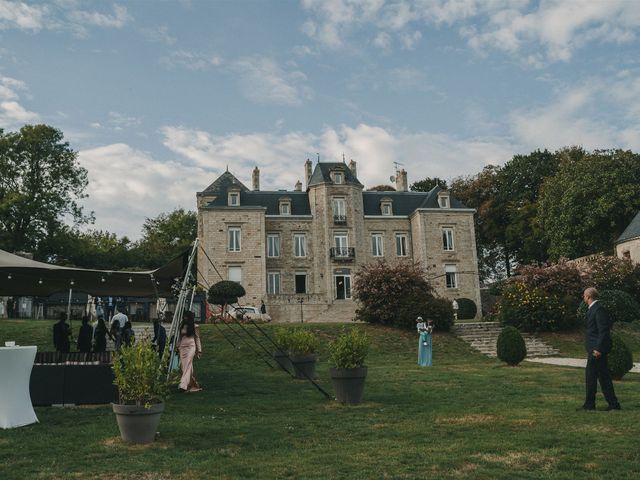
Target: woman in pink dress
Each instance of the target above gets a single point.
(189, 346)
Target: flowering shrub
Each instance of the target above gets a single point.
(395, 294)
(621, 306)
(532, 309)
(613, 273)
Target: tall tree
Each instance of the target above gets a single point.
(591, 200)
(519, 182)
(382, 188)
(427, 184)
(41, 183)
(166, 236)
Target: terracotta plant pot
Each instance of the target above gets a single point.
(304, 366)
(349, 384)
(138, 424)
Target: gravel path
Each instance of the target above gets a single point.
(571, 362)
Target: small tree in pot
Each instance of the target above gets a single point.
(303, 346)
(142, 387)
(282, 339)
(347, 354)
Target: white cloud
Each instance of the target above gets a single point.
(127, 185)
(545, 31)
(120, 121)
(119, 18)
(159, 34)
(262, 80)
(22, 16)
(281, 157)
(190, 60)
(12, 113)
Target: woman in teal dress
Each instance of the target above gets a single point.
(425, 342)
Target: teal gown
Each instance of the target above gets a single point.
(425, 351)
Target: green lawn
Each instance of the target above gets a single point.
(466, 417)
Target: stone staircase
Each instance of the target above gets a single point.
(483, 337)
(339, 311)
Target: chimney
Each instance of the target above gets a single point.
(401, 181)
(352, 167)
(255, 179)
(298, 186)
(307, 171)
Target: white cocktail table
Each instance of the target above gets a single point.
(15, 401)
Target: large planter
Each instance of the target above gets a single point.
(349, 384)
(284, 361)
(304, 366)
(138, 424)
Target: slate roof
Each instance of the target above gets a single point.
(321, 173)
(222, 183)
(632, 230)
(403, 203)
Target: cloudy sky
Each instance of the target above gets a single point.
(160, 97)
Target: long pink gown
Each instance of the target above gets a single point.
(188, 347)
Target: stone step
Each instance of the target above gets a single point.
(483, 337)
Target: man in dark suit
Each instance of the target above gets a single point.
(598, 345)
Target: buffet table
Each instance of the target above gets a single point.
(15, 371)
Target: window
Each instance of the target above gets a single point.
(301, 282)
(273, 283)
(443, 201)
(401, 245)
(234, 274)
(285, 208)
(341, 242)
(386, 208)
(339, 206)
(451, 276)
(447, 238)
(338, 177)
(234, 239)
(234, 199)
(376, 245)
(273, 245)
(299, 245)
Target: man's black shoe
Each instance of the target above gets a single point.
(585, 408)
(613, 407)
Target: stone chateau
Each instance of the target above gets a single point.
(298, 250)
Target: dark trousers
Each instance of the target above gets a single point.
(598, 369)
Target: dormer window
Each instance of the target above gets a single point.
(234, 199)
(386, 207)
(285, 206)
(338, 177)
(443, 200)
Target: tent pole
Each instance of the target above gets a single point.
(69, 307)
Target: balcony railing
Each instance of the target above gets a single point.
(340, 219)
(346, 254)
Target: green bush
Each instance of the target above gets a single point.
(620, 358)
(511, 347)
(621, 306)
(349, 349)
(282, 338)
(467, 309)
(302, 342)
(225, 292)
(532, 309)
(139, 374)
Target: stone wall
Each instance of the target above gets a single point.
(629, 249)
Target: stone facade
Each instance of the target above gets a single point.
(323, 235)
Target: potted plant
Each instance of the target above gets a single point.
(142, 387)
(347, 354)
(281, 355)
(303, 346)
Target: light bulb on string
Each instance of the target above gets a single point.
(130, 280)
(40, 282)
(102, 280)
(71, 282)
(9, 277)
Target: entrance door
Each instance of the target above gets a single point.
(343, 287)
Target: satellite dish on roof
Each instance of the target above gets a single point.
(392, 178)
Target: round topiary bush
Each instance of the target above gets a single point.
(622, 306)
(467, 309)
(511, 348)
(620, 357)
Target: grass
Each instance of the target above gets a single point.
(467, 417)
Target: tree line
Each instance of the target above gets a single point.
(41, 188)
(546, 206)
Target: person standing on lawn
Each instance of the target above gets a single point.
(84, 335)
(598, 345)
(62, 334)
(425, 342)
(189, 346)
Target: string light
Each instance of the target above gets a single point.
(9, 277)
(40, 281)
(72, 282)
(102, 280)
(130, 280)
